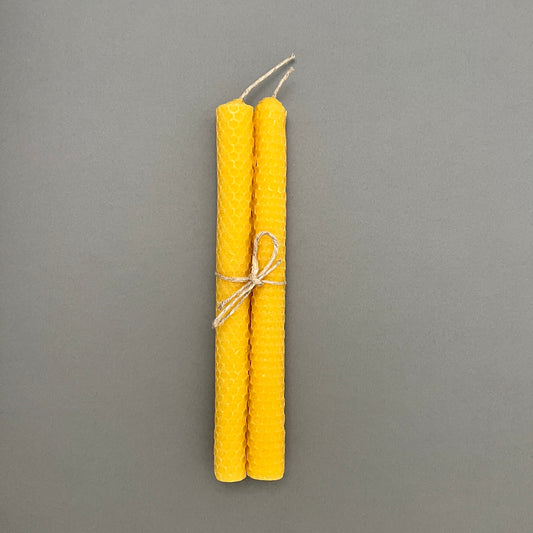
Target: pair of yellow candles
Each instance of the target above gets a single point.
(250, 260)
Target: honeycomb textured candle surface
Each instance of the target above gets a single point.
(266, 404)
(234, 194)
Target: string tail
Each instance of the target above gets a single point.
(256, 278)
(266, 75)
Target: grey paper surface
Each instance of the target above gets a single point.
(410, 292)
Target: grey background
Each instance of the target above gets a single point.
(410, 296)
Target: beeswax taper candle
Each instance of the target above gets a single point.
(234, 191)
(234, 124)
(266, 404)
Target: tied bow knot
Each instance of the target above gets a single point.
(256, 278)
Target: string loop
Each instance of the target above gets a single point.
(256, 278)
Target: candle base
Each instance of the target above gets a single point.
(269, 477)
(230, 479)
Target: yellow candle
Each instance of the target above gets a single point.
(234, 170)
(234, 265)
(266, 404)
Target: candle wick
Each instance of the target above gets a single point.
(265, 76)
(282, 81)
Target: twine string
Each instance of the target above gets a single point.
(266, 75)
(282, 81)
(256, 278)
